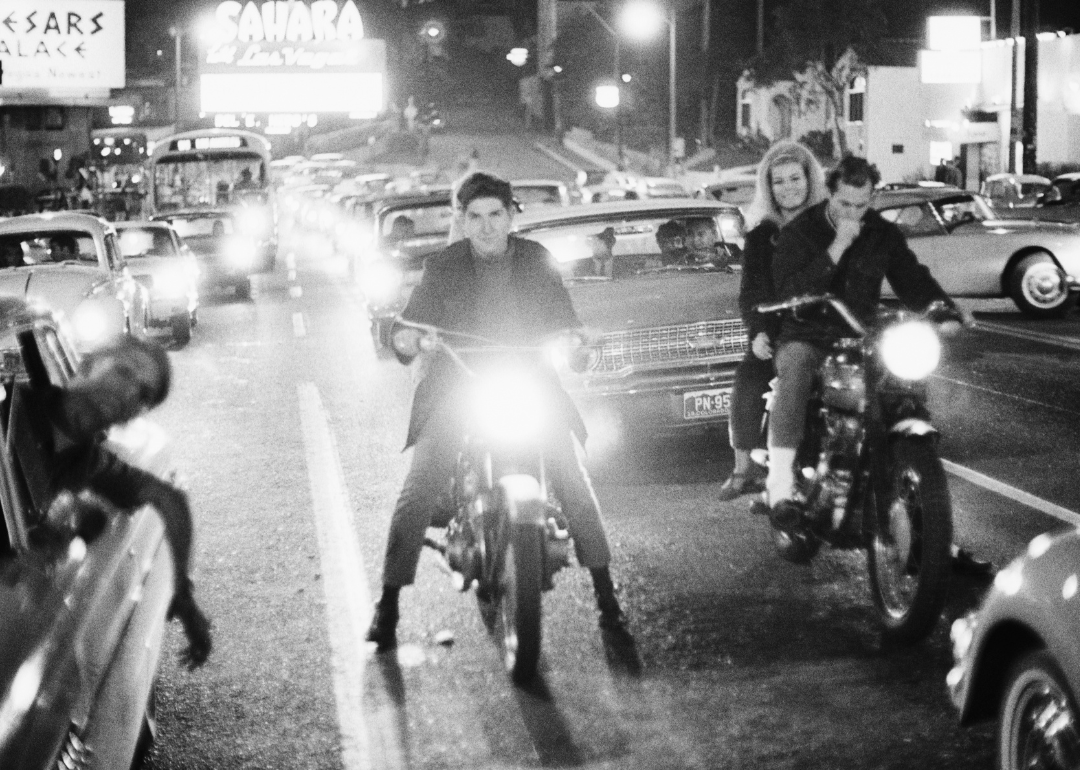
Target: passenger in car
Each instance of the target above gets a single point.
(62, 247)
(671, 238)
(67, 429)
(789, 180)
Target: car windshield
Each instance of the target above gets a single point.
(203, 226)
(37, 248)
(136, 242)
(416, 225)
(957, 209)
(537, 195)
(650, 245)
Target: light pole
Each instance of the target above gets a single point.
(641, 19)
(176, 34)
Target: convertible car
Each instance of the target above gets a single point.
(72, 263)
(84, 591)
(972, 253)
(672, 334)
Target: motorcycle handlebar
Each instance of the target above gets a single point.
(795, 304)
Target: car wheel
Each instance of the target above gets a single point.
(181, 329)
(1038, 723)
(243, 289)
(1039, 287)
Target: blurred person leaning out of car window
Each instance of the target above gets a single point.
(507, 290)
(789, 180)
(114, 385)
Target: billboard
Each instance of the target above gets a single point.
(291, 57)
(66, 45)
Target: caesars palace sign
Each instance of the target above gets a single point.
(292, 56)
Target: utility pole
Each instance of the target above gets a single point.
(1031, 83)
(1015, 131)
(547, 20)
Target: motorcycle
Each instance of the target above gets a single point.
(869, 475)
(506, 535)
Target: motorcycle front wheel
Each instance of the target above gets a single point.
(910, 541)
(521, 584)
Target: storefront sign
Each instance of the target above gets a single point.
(291, 57)
(69, 45)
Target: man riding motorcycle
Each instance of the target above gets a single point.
(506, 290)
(842, 247)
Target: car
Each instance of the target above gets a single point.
(659, 187)
(973, 253)
(671, 333)
(738, 191)
(72, 263)
(86, 591)
(162, 263)
(1014, 191)
(230, 244)
(533, 193)
(1059, 203)
(402, 231)
(1017, 657)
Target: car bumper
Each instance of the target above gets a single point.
(162, 310)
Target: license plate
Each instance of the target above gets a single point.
(700, 404)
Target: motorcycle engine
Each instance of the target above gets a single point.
(843, 380)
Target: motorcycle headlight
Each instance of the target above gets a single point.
(911, 350)
(240, 252)
(508, 407)
(382, 282)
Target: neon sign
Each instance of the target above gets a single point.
(292, 22)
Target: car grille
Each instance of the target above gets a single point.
(664, 346)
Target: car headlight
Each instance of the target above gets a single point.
(911, 350)
(254, 221)
(507, 407)
(382, 282)
(240, 252)
(92, 323)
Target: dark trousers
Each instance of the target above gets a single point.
(752, 377)
(428, 479)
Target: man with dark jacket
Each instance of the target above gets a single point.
(842, 247)
(494, 287)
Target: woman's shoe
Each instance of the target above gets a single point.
(739, 484)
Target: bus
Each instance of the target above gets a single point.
(217, 170)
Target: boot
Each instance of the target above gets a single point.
(784, 512)
(611, 614)
(383, 629)
(196, 627)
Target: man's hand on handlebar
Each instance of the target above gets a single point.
(762, 346)
(410, 341)
(953, 326)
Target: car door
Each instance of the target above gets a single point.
(945, 253)
(78, 591)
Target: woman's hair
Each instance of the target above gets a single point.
(763, 206)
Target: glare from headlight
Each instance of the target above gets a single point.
(91, 323)
(382, 281)
(254, 221)
(911, 350)
(240, 252)
(508, 407)
(171, 282)
(20, 696)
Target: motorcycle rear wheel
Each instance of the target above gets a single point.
(910, 542)
(520, 587)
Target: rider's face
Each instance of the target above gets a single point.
(850, 202)
(486, 223)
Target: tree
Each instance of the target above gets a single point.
(821, 45)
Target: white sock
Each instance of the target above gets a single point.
(781, 482)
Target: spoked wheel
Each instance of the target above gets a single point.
(1038, 726)
(909, 550)
(520, 588)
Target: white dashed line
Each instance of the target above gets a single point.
(292, 275)
(348, 602)
(296, 292)
(298, 327)
(1012, 493)
(290, 261)
(1069, 343)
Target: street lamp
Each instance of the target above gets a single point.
(641, 20)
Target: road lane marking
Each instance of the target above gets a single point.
(298, 326)
(292, 275)
(1012, 493)
(1068, 343)
(296, 292)
(1031, 401)
(348, 601)
(290, 260)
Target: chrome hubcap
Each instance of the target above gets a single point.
(1046, 734)
(897, 549)
(1044, 286)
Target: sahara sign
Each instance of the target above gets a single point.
(62, 45)
(292, 57)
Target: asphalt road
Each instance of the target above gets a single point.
(289, 430)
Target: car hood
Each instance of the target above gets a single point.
(151, 265)
(60, 286)
(663, 299)
(1029, 226)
